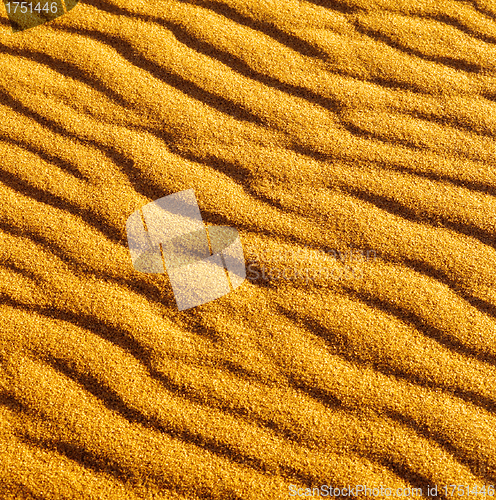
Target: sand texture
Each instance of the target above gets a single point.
(352, 145)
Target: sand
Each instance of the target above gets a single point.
(352, 145)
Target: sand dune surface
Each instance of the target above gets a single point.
(351, 143)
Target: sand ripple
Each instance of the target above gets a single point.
(313, 127)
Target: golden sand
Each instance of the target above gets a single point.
(351, 143)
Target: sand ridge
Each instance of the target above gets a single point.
(320, 130)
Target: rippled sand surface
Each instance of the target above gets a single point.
(352, 145)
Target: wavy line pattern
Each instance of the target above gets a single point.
(353, 145)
